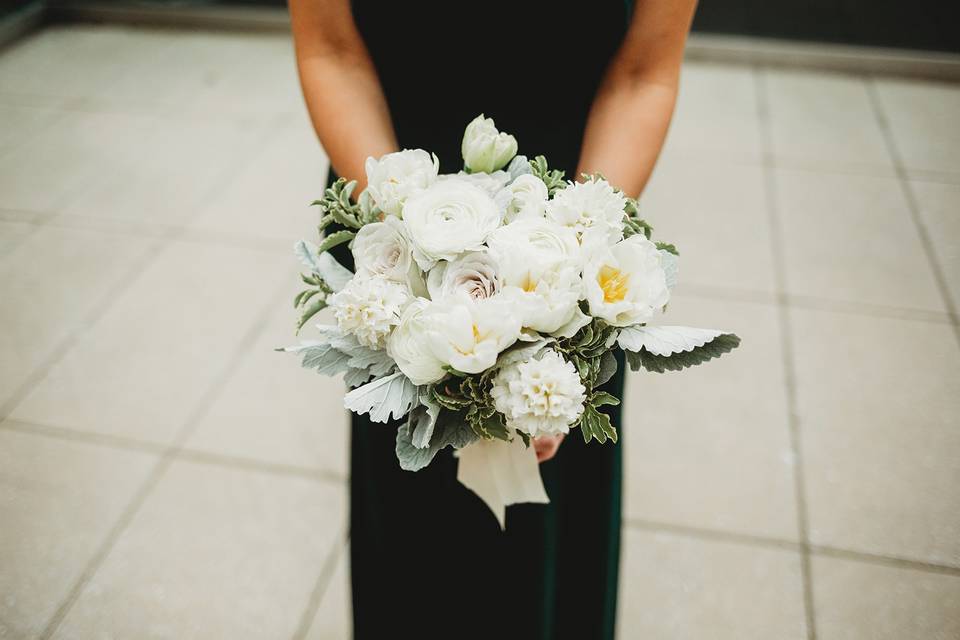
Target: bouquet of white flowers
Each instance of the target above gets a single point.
(486, 306)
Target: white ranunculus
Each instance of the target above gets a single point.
(469, 334)
(369, 307)
(589, 208)
(447, 219)
(396, 176)
(474, 273)
(525, 197)
(539, 264)
(492, 183)
(484, 148)
(626, 284)
(540, 396)
(409, 348)
(383, 249)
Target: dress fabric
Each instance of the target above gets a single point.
(427, 558)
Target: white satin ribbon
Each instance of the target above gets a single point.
(501, 473)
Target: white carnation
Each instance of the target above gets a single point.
(396, 176)
(626, 283)
(525, 197)
(469, 334)
(369, 308)
(592, 207)
(447, 219)
(409, 348)
(474, 273)
(539, 396)
(484, 148)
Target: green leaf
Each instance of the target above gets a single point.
(525, 437)
(720, 345)
(334, 239)
(596, 425)
(669, 248)
(607, 369)
(600, 398)
(312, 309)
(450, 431)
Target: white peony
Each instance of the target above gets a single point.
(539, 396)
(590, 208)
(539, 264)
(469, 334)
(383, 249)
(474, 273)
(369, 308)
(626, 284)
(396, 176)
(409, 348)
(447, 219)
(484, 148)
(525, 197)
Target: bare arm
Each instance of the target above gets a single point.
(631, 112)
(340, 86)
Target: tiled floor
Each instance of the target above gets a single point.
(164, 474)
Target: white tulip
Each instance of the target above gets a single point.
(474, 273)
(525, 197)
(468, 334)
(626, 284)
(484, 148)
(396, 176)
(408, 346)
(447, 219)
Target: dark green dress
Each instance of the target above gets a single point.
(428, 559)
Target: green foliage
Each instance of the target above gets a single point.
(312, 300)
(336, 206)
(468, 397)
(675, 362)
(632, 222)
(669, 248)
(334, 239)
(448, 431)
(596, 425)
(553, 178)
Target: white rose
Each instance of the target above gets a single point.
(369, 308)
(383, 248)
(409, 348)
(484, 148)
(492, 183)
(539, 396)
(469, 334)
(447, 219)
(589, 208)
(474, 273)
(525, 197)
(626, 284)
(396, 176)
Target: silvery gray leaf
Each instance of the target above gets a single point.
(391, 395)
(523, 353)
(306, 252)
(356, 377)
(519, 166)
(412, 458)
(333, 273)
(363, 357)
(665, 341)
(671, 267)
(425, 423)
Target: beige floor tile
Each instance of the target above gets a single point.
(923, 118)
(715, 213)
(709, 447)
(271, 409)
(679, 588)
(73, 61)
(58, 501)
(141, 369)
(333, 620)
(850, 238)
(716, 114)
(212, 553)
(50, 281)
(940, 211)
(879, 409)
(65, 159)
(270, 197)
(182, 164)
(825, 120)
(12, 233)
(18, 123)
(857, 601)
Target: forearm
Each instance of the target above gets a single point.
(341, 88)
(625, 131)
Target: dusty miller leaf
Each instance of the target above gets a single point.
(391, 395)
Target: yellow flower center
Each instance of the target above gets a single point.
(614, 283)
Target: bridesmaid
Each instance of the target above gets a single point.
(590, 86)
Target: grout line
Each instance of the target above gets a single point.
(750, 540)
(321, 587)
(787, 348)
(323, 476)
(108, 441)
(913, 205)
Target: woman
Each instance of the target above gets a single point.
(593, 90)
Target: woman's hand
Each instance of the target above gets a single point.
(546, 446)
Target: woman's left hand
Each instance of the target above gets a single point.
(546, 446)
